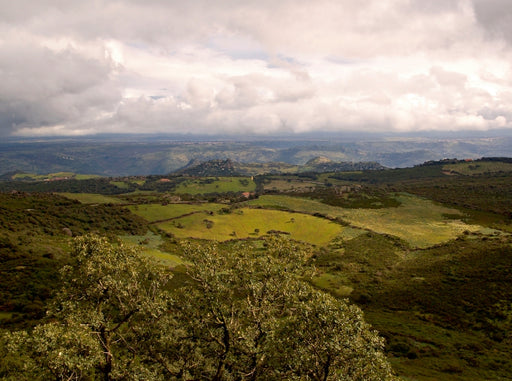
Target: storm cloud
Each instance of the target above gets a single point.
(71, 67)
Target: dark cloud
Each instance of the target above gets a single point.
(496, 17)
(42, 87)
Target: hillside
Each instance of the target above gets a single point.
(425, 251)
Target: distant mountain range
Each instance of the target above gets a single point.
(111, 156)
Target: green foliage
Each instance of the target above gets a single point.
(159, 212)
(478, 167)
(100, 319)
(354, 197)
(92, 198)
(27, 270)
(254, 319)
(487, 193)
(34, 235)
(50, 214)
(243, 314)
(52, 176)
(444, 310)
(94, 185)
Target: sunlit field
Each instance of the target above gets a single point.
(247, 222)
(421, 223)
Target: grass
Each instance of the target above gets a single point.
(247, 223)
(158, 212)
(420, 222)
(436, 308)
(334, 283)
(92, 198)
(120, 184)
(419, 350)
(150, 246)
(216, 185)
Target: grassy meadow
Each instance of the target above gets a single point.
(249, 222)
(417, 221)
(420, 222)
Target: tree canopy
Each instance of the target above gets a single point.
(242, 314)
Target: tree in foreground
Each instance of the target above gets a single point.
(100, 320)
(244, 314)
(250, 315)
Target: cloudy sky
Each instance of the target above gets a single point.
(268, 66)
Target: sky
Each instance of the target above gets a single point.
(254, 67)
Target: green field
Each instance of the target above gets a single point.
(158, 212)
(216, 185)
(150, 246)
(92, 198)
(420, 222)
(334, 283)
(247, 222)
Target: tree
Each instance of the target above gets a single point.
(245, 313)
(101, 318)
(249, 315)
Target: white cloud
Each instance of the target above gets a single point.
(70, 67)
